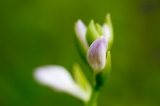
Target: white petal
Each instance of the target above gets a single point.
(60, 79)
(81, 33)
(107, 32)
(96, 55)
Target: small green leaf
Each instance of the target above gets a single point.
(92, 33)
(80, 78)
(99, 29)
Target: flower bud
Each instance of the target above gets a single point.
(96, 55)
(108, 30)
(80, 29)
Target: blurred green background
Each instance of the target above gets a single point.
(40, 32)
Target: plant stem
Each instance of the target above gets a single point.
(94, 97)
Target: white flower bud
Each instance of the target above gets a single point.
(60, 79)
(96, 55)
(107, 32)
(81, 29)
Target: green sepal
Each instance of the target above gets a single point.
(80, 78)
(99, 29)
(92, 33)
(104, 75)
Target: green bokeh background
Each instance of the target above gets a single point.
(41, 32)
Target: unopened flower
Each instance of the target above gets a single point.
(96, 40)
(60, 79)
(108, 30)
(80, 29)
(96, 55)
(87, 35)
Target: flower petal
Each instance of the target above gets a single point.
(60, 79)
(80, 29)
(97, 54)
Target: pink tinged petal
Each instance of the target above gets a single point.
(96, 55)
(81, 33)
(60, 79)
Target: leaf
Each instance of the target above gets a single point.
(92, 33)
(80, 78)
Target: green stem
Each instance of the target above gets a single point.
(94, 97)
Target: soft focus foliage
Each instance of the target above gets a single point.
(40, 32)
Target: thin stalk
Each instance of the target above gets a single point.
(94, 97)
